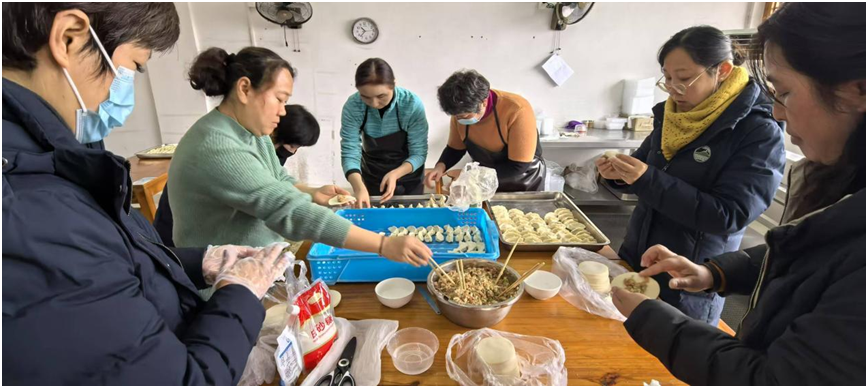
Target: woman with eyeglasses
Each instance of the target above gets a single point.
(710, 167)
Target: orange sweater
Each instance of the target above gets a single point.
(517, 124)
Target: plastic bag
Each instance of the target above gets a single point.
(554, 180)
(288, 358)
(541, 360)
(371, 336)
(290, 284)
(554, 168)
(583, 178)
(576, 290)
(260, 366)
(475, 185)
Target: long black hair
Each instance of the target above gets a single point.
(706, 45)
(216, 71)
(826, 43)
(299, 127)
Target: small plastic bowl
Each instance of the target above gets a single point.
(543, 285)
(413, 349)
(395, 292)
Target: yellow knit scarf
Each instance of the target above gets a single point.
(681, 128)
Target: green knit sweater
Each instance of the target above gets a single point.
(227, 187)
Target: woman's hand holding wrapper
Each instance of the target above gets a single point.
(686, 275)
(258, 272)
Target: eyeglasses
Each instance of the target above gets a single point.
(679, 89)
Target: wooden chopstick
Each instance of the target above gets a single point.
(525, 276)
(511, 251)
(443, 273)
(461, 273)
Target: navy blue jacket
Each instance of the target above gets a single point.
(806, 321)
(90, 295)
(699, 203)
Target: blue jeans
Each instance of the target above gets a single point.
(701, 306)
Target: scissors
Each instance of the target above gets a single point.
(341, 375)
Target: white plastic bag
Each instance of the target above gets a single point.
(583, 178)
(576, 290)
(475, 185)
(261, 367)
(371, 337)
(554, 168)
(541, 360)
(554, 180)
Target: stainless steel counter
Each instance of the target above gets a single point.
(599, 138)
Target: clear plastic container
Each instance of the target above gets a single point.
(554, 183)
(413, 349)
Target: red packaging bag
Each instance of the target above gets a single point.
(315, 323)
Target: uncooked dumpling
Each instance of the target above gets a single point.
(340, 200)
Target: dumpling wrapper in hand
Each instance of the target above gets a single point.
(652, 288)
(340, 200)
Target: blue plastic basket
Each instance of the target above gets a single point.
(334, 265)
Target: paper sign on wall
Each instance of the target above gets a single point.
(558, 69)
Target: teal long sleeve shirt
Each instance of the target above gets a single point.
(413, 120)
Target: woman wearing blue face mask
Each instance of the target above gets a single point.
(497, 129)
(90, 295)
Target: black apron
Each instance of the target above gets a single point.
(382, 155)
(533, 179)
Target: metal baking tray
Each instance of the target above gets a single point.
(618, 193)
(406, 200)
(144, 155)
(542, 203)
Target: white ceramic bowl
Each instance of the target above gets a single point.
(395, 292)
(543, 285)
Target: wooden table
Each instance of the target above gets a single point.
(596, 348)
(144, 168)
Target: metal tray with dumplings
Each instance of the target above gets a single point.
(162, 151)
(408, 200)
(542, 203)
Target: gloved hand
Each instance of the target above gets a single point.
(259, 272)
(217, 260)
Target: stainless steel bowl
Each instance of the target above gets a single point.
(474, 317)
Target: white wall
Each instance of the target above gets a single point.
(424, 43)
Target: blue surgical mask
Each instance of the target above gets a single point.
(93, 126)
(473, 120)
(468, 121)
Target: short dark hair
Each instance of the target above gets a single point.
(375, 71)
(215, 71)
(706, 45)
(298, 127)
(26, 27)
(826, 43)
(462, 92)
